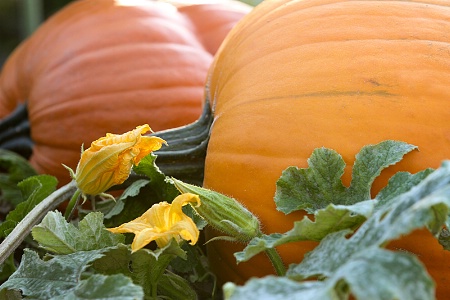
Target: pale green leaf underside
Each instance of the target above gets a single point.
(101, 287)
(331, 219)
(45, 279)
(55, 234)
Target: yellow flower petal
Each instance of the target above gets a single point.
(161, 223)
(109, 160)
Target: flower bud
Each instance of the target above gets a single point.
(223, 213)
(109, 160)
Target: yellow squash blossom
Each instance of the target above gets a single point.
(161, 223)
(109, 160)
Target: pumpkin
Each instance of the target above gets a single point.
(101, 66)
(295, 75)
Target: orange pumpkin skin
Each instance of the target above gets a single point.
(101, 66)
(296, 75)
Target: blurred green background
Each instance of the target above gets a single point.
(19, 18)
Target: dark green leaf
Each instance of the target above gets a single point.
(163, 188)
(173, 286)
(17, 169)
(33, 190)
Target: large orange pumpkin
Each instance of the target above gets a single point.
(101, 66)
(295, 75)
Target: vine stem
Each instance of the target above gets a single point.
(276, 260)
(23, 228)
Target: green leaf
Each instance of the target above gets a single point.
(99, 287)
(425, 205)
(157, 190)
(17, 169)
(330, 219)
(144, 267)
(172, 286)
(131, 191)
(33, 191)
(320, 184)
(164, 190)
(46, 279)
(381, 274)
(279, 288)
(55, 234)
(400, 183)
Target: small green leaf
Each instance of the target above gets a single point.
(60, 237)
(46, 279)
(103, 287)
(163, 188)
(131, 191)
(33, 191)
(400, 183)
(320, 184)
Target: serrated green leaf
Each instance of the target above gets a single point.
(400, 183)
(34, 190)
(320, 184)
(369, 163)
(100, 287)
(55, 234)
(279, 288)
(17, 169)
(45, 279)
(314, 187)
(330, 219)
(425, 205)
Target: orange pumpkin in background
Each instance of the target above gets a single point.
(101, 66)
(295, 75)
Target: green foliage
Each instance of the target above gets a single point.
(319, 185)
(80, 259)
(16, 169)
(350, 256)
(33, 190)
(59, 237)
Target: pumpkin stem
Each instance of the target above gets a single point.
(184, 158)
(15, 132)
